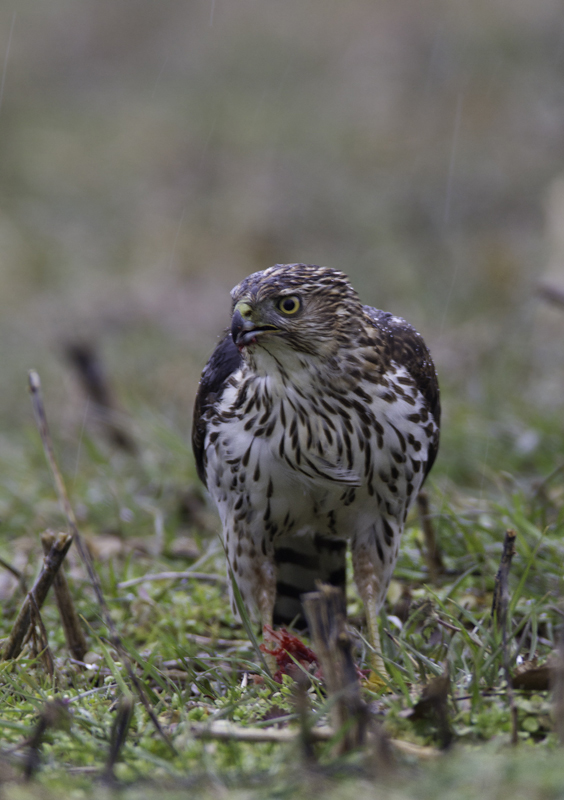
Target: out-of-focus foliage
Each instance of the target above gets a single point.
(154, 154)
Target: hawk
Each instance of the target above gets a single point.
(315, 424)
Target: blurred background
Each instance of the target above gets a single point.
(154, 154)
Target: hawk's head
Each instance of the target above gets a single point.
(300, 307)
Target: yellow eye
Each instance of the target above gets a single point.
(289, 305)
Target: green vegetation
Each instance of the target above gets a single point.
(146, 515)
(153, 154)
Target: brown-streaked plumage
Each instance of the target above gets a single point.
(315, 424)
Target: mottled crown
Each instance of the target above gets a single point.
(283, 278)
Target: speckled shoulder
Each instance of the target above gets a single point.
(406, 346)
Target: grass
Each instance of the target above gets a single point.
(155, 154)
(196, 661)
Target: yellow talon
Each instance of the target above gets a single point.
(375, 682)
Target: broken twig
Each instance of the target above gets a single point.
(434, 703)
(20, 577)
(54, 715)
(41, 419)
(37, 625)
(326, 615)
(501, 591)
(557, 682)
(88, 366)
(120, 729)
(51, 565)
(74, 635)
(500, 604)
(301, 704)
(432, 552)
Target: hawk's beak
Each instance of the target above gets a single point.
(239, 326)
(244, 329)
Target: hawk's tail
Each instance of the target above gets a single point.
(302, 561)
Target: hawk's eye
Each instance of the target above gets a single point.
(289, 305)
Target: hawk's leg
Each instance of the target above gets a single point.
(367, 569)
(377, 662)
(255, 575)
(265, 602)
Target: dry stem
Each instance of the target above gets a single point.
(120, 729)
(16, 573)
(432, 552)
(557, 681)
(326, 616)
(74, 635)
(51, 564)
(86, 360)
(224, 730)
(44, 649)
(500, 603)
(174, 576)
(41, 419)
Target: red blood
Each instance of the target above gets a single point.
(287, 651)
(290, 647)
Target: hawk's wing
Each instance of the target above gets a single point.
(224, 361)
(406, 347)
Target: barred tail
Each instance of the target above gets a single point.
(301, 561)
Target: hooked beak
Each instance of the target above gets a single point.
(243, 329)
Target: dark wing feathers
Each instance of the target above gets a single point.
(406, 347)
(224, 361)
